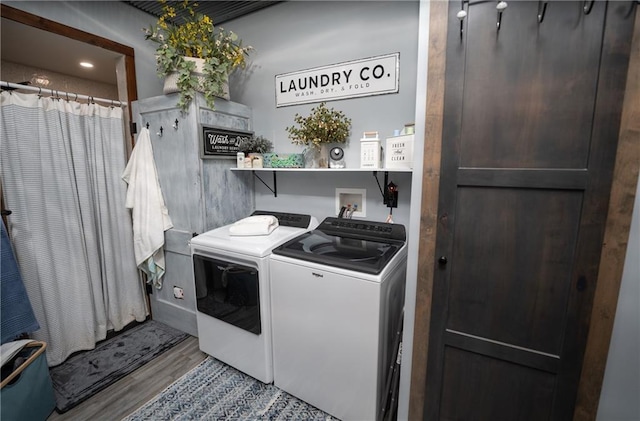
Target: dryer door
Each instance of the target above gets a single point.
(228, 291)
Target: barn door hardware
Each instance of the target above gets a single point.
(461, 15)
(500, 6)
(588, 5)
(542, 9)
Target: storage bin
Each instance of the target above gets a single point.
(284, 160)
(27, 393)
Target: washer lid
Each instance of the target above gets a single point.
(363, 255)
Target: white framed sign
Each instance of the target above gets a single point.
(365, 77)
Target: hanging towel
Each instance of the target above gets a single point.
(150, 215)
(15, 308)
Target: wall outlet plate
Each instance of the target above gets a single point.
(346, 197)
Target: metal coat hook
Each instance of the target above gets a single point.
(461, 15)
(501, 6)
(147, 126)
(175, 124)
(588, 5)
(160, 132)
(542, 9)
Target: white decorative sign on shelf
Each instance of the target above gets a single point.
(365, 77)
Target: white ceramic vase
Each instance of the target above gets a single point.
(171, 81)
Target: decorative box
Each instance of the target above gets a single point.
(399, 152)
(283, 160)
(370, 150)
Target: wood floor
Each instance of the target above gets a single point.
(128, 394)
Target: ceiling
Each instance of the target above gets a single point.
(60, 54)
(218, 11)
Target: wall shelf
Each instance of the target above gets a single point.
(388, 170)
(274, 171)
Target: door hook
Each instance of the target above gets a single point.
(501, 6)
(542, 9)
(160, 132)
(175, 124)
(461, 15)
(588, 5)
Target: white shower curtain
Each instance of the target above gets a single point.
(72, 235)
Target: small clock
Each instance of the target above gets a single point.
(336, 158)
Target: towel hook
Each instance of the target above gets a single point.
(461, 15)
(501, 6)
(160, 132)
(542, 9)
(147, 126)
(175, 124)
(588, 5)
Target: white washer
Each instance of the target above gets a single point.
(337, 295)
(231, 275)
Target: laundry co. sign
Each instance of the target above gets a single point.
(365, 77)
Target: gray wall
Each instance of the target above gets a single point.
(620, 397)
(300, 35)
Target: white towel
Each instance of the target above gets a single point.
(150, 215)
(254, 225)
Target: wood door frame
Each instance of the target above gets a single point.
(47, 25)
(616, 235)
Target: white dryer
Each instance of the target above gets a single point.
(231, 275)
(337, 294)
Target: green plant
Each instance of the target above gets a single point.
(323, 125)
(194, 35)
(257, 144)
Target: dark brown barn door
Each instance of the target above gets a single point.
(530, 131)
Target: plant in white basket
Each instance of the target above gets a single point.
(181, 40)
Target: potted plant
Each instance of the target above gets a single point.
(254, 148)
(194, 54)
(322, 127)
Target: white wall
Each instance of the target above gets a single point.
(620, 396)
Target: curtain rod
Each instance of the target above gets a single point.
(60, 94)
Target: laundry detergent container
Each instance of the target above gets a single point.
(26, 393)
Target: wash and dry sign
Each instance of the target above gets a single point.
(218, 142)
(369, 76)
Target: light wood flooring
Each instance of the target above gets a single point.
(131, 392)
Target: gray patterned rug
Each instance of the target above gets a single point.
(216, 391)
(85, 374)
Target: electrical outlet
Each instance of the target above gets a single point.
(178, 293)
(352, 199)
